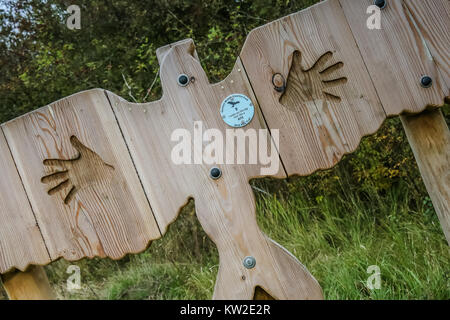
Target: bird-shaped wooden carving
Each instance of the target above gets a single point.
(336, 91)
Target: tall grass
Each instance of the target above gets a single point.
(338, 238)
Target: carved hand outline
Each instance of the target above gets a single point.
(308, 85)
(77, 173)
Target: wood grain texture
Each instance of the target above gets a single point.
(80, 179)
(329, 103)
(21, 241)
(432, 18)
(31, 284)
(396, 57)
(429, 137)
(225, 207)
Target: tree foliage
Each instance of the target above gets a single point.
(41, 60)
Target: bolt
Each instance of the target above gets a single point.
(215, 173)
(380, 3)
(183, 80)
(249, 262)
(426, 81)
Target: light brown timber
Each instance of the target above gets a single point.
(31, 284)
(429, 137)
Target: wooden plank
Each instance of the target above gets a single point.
(29, 285)
(225, 207)
(396, 57)
(80, 179)
(432, 18)
(329, 103)
(429, 137)
(21, 242)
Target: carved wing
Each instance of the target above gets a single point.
(82, 195)
(374, 73)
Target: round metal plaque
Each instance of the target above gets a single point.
(237, 110)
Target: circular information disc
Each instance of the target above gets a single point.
(237, 110)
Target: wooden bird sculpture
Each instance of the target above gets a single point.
(94, 175)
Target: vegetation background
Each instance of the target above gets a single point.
(371, 209)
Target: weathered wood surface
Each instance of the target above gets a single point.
(225, 207)
(21, 241)
(80, 179)
(329, 102)
(432, 19)
(31, 284)
(396, 56)
(429, 137)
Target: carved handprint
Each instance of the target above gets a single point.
(308, 85)
(78, 173)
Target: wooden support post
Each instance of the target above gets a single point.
(429, 137)
(29, 285)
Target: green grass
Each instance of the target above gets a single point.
(338, 238)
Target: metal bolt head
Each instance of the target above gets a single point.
(380, 3)
(183, 80)
(215, 173)
(426, 81)
(249, 262)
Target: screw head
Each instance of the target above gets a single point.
(183, 80)
(249, 262)
(426, 81)
(215, 173)
(380, 3)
